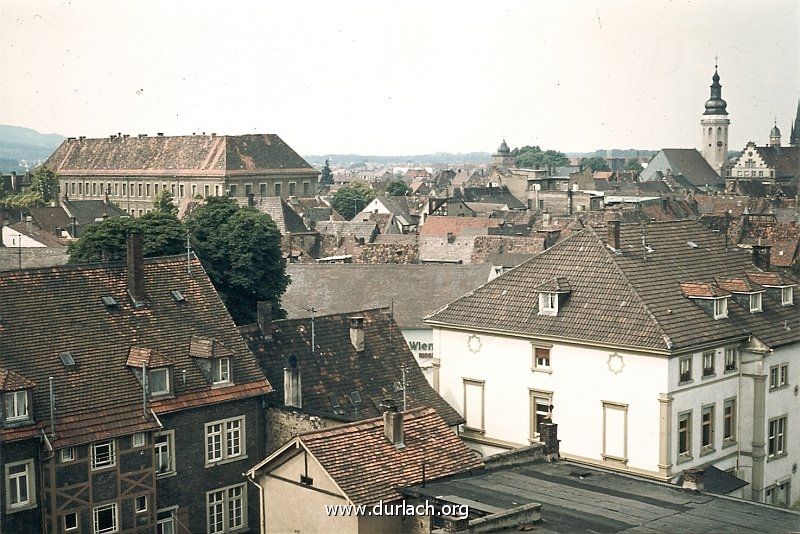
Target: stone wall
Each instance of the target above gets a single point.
(282, 425)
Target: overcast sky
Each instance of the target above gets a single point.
(376, 77)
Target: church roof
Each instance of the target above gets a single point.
(503, 148)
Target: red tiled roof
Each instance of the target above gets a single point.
(692, 289)
(139, 357)
(368, 468)
(203, 347)
(213, 396)
(771, 278)
(11, 381)
(438, 225)
(738, 285)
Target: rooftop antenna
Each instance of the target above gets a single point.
(391, 323)
(144, 390)
(313, 332)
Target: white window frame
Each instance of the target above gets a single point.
(219, 502)
(139, 440)
(545, 364)
(16, 405)
(17, 480)
(709, 357)
(778, 434)
(537, 397)
(687, 454)
(136, 508)
(95, 519)
(170, 446)
(729, 405)
(217, 376)
(167, 377)
(710, 410)
(681, 362)
(548, 303)
(731, 354)
(787, 296)
(755, 302)
(111, 462)
(67, 454)
(720, 308)
(778, 376)
(224, 435)
(64, 521)
(170, 519)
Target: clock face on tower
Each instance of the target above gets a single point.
(719, 143)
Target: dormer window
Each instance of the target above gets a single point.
(721, 308)
(16, 405)
(755, 302)
(158, 381)
(787, 296)
(220, 370)
(548, 303)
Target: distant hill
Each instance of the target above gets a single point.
(615, 153)
(444, 158)
(22, 148)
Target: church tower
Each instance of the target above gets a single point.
(715, 128)
(503, 157)
(794, 136)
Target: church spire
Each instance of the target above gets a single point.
(716, 105)
(794, 136)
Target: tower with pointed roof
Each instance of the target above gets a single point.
(503, 157)
(715, 124)
(775, 136)
(794, 136)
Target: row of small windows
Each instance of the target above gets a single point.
(148, 190)
(709, 368)
(707, 429)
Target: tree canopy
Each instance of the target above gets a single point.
(163, 203)
(397, 189)
(326, 177)
(534, 157)
(633, 165)
(241, 251)
(43, 190)
(162, 235)
(595, 163)
(351, 199)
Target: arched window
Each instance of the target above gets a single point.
(709, 131)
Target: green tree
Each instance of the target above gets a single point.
(162, 235)
(240, 249)
(45, 182)
(533, 157)
(595, 163)
(164, 204)
(350, 200)
(326, 178)
(397, 189)
(633, 165)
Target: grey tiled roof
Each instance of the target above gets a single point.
(630, 299)
(417, 290)
(691, 164)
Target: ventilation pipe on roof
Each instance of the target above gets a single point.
(613, 234)
(392, 423)
(52, 409)
(357, 332)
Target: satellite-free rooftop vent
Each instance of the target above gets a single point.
(67, 359)
(177, 296)
(691, 244)
(355, 397)
(110, 302)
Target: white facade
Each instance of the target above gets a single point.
(715, 141)
(622, 409)
(420, 341)
(13, 238)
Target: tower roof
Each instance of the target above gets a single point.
(716, 105)
(503, 148)
(775, 132)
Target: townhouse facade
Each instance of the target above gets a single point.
(656, 348)
(134, 170)
(130, 402)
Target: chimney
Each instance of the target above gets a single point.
(73, 226)
(292, 395)
(761, 256)
(135, 274)
(29, 224)
(264, 313)
(392, 423)
(613, 234)
(548, 434)
(357, 332)
(694, 479)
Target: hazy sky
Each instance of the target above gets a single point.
(376, 77)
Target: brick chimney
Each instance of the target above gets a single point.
(613, 234)
(292, 386)
(264, 314)
(548, 434)
(392, 423)
(135, 273)
(761, 256)
(694, 479)
(357, 332)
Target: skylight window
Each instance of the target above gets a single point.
(67, 359)
(177, 296)
(355, 397)
(691, 244)
(110, 302)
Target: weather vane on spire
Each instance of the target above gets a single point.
(716, 61)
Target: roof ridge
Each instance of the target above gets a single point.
(375, 421)
(632, 289)
(69, 267)
(540, 254)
